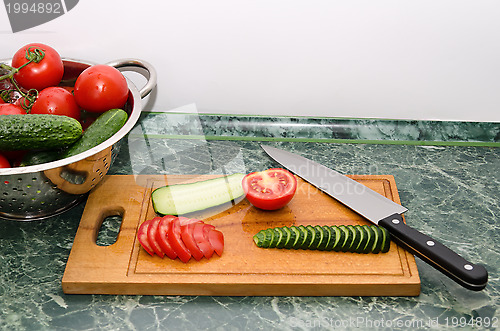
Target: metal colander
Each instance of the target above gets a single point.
(44, 190)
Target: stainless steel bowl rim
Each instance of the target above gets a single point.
(132, 120)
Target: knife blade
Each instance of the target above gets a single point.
(384, 212)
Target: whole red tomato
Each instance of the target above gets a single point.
(11, 109)
(4, 163)
(41, 72)
(56, 101)
(100, 88)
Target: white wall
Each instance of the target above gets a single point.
(425, 59)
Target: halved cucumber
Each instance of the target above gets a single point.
(180, 199)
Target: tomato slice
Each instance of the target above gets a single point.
(162, 236)
(152, 231)
(216, 239)
(175, 239)
(270, 189)
(200, 235)
(142, 235)
(188, 239)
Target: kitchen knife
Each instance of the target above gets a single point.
(384, 212)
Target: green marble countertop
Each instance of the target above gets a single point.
(447, 174)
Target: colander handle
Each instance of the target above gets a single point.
(142, 67)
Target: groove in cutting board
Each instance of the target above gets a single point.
(243, 269)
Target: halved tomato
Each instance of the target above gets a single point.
(152, 231)
(216, 239)
(162, 236)
(200, 235)
(175, 239)
(188, 239)
(142, 235)
(270, 189)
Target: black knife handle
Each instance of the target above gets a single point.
(469, 275)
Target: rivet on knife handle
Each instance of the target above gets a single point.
(467, 274)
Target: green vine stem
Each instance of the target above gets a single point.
(33, 55)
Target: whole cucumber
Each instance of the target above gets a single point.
(105, 126)
(38, 131)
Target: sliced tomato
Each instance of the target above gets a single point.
(270, 189)
(200, 235)
(152, 231)
(216, 239)
(188, 239)
(142, 235)
(175, 239)
(162, 236)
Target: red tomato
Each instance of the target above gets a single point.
(189, 241)
(162, 238)
(56, 101)
(152, 231)
(174, 236)
(200, 235)
(100, 88)
(42, 72)
(270, 189)
(4, 163)
(11, 109)
(1, 101)
(216, 239)
(142, 235)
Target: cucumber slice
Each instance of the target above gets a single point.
(355, 238)
(259, 238)
(282, 237)
(314, 239)
(180, 199)
(348, 238)
(275, 236)
(326, 236)
(371, 239)
(387, 240)
(289, 237)
(362, 239)
(339, 238)
(305, 238)
(268, 239)
(299, 237)
(378, 237)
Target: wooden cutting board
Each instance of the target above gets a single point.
(243, 269)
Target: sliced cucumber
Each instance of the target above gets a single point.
(326, 236)
(299, 237)
(180, 199)
(351, 238)
(371, 239)
(259, 238)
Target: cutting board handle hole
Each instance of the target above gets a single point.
(109, 229)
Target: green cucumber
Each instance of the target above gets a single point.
(291, 236)
(39, 157)
(361, 239)
(299, 237)
(38, 131)
(339, 238)
(103, 128)
(180, 199)
(326, 236)
(371, 239)
(259, 239)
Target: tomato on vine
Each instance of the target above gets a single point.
(56, 101)
(39, 66)
(100, 88)
(11, 109)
